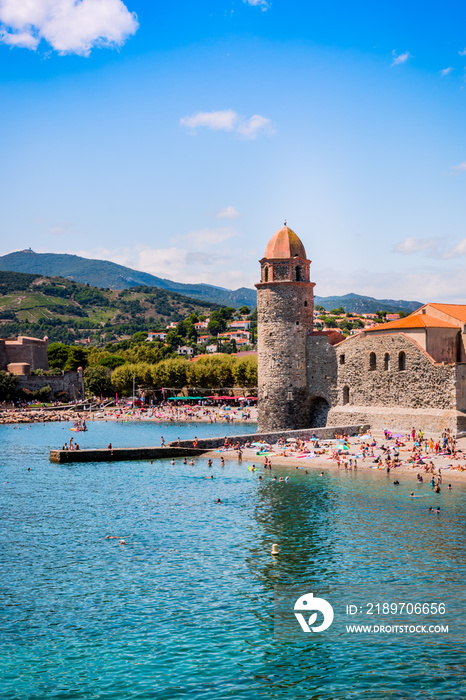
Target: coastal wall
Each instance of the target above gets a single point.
(68, 382)
(272, 436)
(431, 421)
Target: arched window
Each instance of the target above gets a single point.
(298, 274)
(266, 273)
(345, 395)
(305, 302)
(402, 361)
(372, 361)
(386, 362)
(342, 359)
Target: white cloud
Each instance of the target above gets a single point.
(225, 120)
(228, 120)
(180, 264)
(209, 236)
(23, 40)
(69, 26)
(415, 245)
(446, 71)
(263, 4)
(400, 58)
(462, 53)
(460, 168)
(457, 251)
(229, 212)
(439, 248)
(250, 128)
(418, 284)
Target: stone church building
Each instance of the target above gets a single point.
(398, 375)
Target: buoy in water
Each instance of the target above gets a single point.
(274, 549)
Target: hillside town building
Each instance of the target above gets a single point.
(408, 373)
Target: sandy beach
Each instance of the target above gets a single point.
(158, 414)
(450, 468)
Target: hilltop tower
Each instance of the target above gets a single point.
(285, 309)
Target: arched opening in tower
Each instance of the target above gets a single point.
(319, 408)
(299, 277)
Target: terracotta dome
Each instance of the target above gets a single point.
(285, 244)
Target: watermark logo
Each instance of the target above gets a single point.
(307, 603)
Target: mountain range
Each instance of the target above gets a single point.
(110, 275)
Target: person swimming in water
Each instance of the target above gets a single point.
(191, 462)
(172, 462)
(218, 500)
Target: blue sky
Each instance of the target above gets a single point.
(177, 138)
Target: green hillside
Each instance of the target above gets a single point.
(67, 311)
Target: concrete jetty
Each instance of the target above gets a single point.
(186, 449)
(122, 454)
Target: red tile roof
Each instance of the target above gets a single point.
(413, 321)
(456, 310)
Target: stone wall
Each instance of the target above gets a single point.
(431, 421)
(272, 436)
(68, 382)
(322, 378)
(461, 387)
(423, 384)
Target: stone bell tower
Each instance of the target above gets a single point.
(285, 308)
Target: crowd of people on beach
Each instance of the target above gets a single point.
(160, 413)
(393, 451)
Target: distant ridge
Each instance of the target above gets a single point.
(106, 274)
(357, 304)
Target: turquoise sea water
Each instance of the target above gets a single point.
(185, 609)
